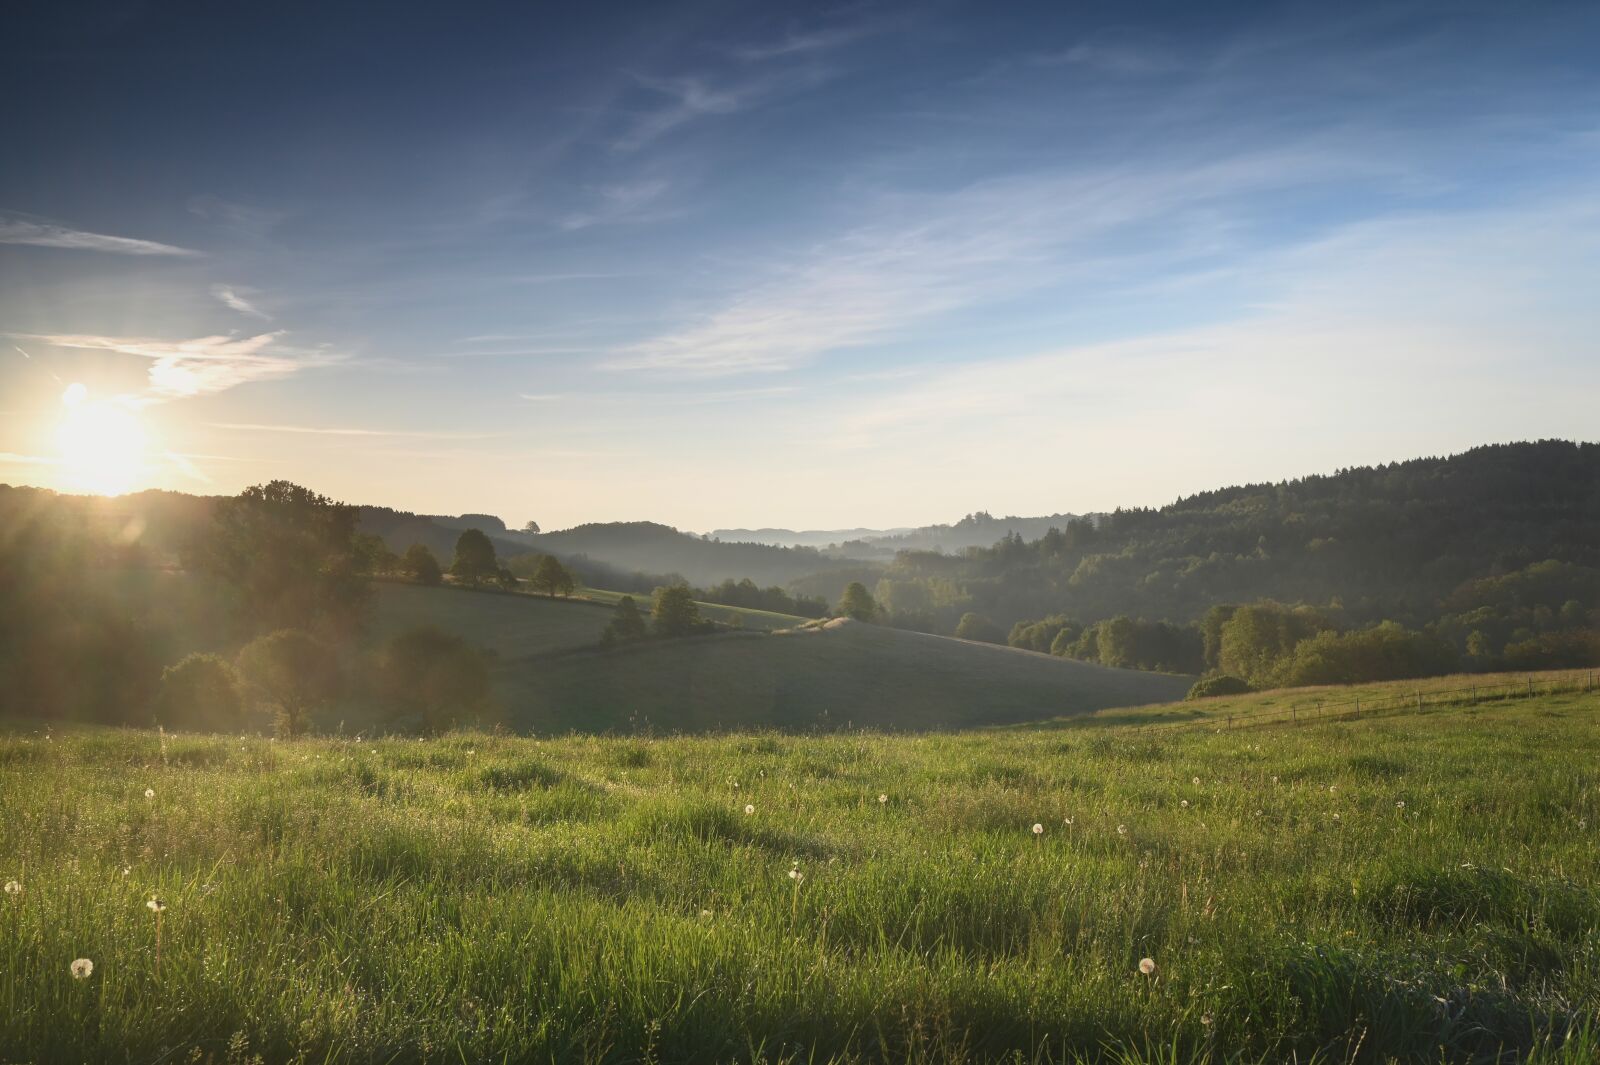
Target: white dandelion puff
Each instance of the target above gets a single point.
(1038, 829)
(1196, 782)
(749, 809)
(82, 969)
(1147, 966)
(796, 875)
(882, 799)
(1184, 804)
(155, 905)
(1122, 830)
(13, 888)
(149, 793)
(1401, 805)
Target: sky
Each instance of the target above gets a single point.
(733, 264)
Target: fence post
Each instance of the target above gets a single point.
(1530, 687)
(1358, 707)
(1294, 718)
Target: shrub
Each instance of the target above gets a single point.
(1218, 684)
(201, 693)
(293, 673)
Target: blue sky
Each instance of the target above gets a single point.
(745, 264)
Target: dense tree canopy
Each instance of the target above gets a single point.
(289, 555)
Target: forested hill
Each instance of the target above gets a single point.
(1384, 542)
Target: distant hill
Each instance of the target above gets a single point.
(979, 529)
(653, 548)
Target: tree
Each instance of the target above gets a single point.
(553, 577)
(856, 603)
(434, 677)
(674, 612)
(475, 560)
(289, 555)
(373, 555)
(292, 672)
(421, 565)
(627, 624)
(201, 692)
(531, 527)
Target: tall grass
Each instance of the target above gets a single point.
(484, 898)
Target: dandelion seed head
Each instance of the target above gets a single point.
(1038, 829)
(1196, 781)
(1122, 830)
(1401, 805)
(149, 793)
(13, 888)
(155, 905)
(749, 809)
(1184, 804)
(82, 969)
(882, 799)
(1147, 966)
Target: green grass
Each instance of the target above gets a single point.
(490, 898)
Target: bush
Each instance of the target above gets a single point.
(1218, 684)
(201, 693)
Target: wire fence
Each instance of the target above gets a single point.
(1317, 709)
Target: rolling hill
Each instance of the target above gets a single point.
(845, 676)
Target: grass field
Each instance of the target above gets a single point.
(1408, 888)
(861, 676)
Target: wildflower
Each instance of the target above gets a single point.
(1038, 829)
(882, 799)
(1184, 804)
(1122, 830)
(82, 969)
(155, 905)
(1197, 781)
(705, 913)
(1067, 821)
(13, 888)
(126, 869)
(749, 809)
(1147, 966)
(149, 793)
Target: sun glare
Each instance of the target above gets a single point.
(102, 444)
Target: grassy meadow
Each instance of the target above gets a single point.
(1402, 888)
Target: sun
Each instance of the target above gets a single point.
(102, 444)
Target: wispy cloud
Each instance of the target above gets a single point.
(630, 201)
(806, 42)
(993, 240)
(183, 368)
(44, 235)
(323, 430)
(230, 297)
